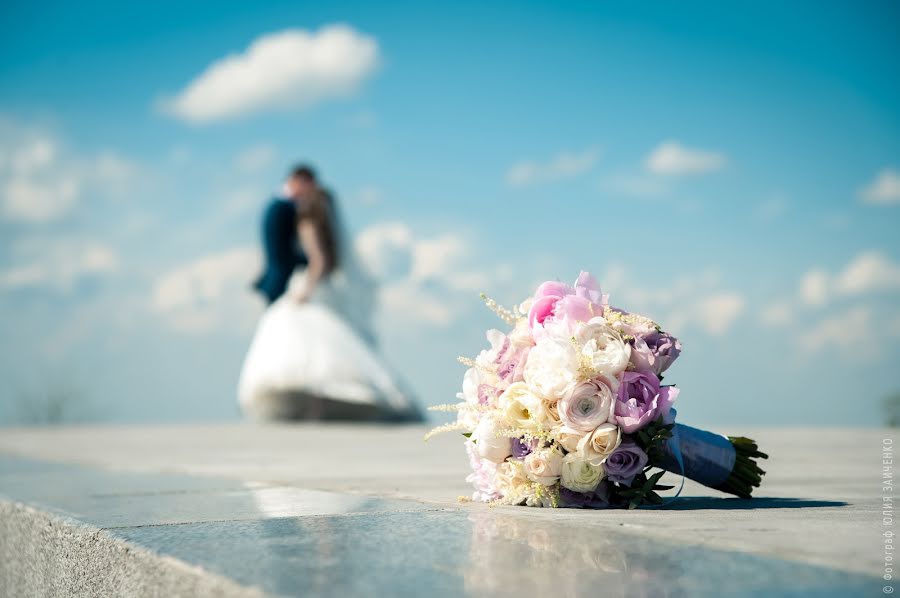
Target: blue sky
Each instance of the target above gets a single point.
(733, 171)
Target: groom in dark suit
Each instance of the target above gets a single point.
(279, 234)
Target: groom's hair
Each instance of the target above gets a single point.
(304, 171)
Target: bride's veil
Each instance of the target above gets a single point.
(354, 288)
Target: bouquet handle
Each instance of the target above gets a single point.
(719, 462)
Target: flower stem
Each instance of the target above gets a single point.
(746, 474)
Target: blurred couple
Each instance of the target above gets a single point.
(313, 354)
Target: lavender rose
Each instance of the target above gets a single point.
(641, 400)
(598, 499)
(655, 351)
(626, 462)
(521, 447)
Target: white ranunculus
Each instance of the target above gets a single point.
(588, 405)
(579, 475)
(492, 445)
(524, 410)
(599, 444)
(544, 465)
(552, 367)
(603, 350)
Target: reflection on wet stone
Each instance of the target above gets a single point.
(480, 553)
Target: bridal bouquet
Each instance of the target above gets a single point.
(568, 409)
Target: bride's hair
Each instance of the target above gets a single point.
(319, 210)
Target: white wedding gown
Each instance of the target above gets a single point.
(315, 360)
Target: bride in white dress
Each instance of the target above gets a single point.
(312, 356)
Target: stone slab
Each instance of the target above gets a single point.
(309, 499)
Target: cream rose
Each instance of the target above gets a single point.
(491, 444)
(552, 368)
(544, 465)
(599, 444)
(523, 409)
(603, 350)
(579, 475)
(567, 437)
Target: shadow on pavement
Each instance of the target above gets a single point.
(743, 504)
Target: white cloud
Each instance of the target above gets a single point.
(210, 292)
(695, 301)
(40, 181)
(672, 158)
(719, 311)
(423, 279)
(386, 249)
(285, 70)
(714, 313)
(56, 263)
(255, 158)
(814, 287)
(411, 303)
(564, 166)
(842, 331)
(868, 273)
(884, 190)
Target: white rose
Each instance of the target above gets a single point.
(544, 465)
(523, 409)
(579, 475)
(599, 444)
(603, 350)
(552, 367)
(491, 444)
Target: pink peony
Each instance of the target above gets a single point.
(556, 303)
